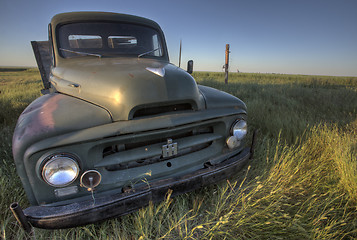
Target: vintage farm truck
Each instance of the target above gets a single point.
(118, 125)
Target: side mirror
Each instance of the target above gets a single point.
(190, 66)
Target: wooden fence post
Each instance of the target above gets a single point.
(226, 64)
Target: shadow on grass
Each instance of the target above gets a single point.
(13, 69)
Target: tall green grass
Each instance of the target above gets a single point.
(301, 184)
(276, 79)
(17, 90)
(289, 103)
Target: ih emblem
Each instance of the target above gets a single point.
(169, 149)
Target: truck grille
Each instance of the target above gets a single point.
(140, 153)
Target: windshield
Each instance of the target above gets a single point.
(108, 39)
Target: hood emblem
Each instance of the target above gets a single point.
(158, 71)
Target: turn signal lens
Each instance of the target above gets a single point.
(232, 142)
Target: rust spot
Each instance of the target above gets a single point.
(47, 111)
(127, 189)
(42, 119)
(131, 75)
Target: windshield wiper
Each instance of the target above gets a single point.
(145, 53)
(81, 53)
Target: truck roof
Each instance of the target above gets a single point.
(69, 17)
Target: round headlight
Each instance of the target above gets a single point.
(239, 129)
(60, 171)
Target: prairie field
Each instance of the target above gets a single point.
(301, 183)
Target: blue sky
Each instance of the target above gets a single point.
(278, 36)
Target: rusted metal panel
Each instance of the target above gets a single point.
(43, 57)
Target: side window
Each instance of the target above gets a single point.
(156, 45)
(85, 41)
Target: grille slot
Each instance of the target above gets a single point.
(149, 111)
(162, 140)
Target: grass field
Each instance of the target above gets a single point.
(301, 184)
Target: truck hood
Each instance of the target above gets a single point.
(126, 86)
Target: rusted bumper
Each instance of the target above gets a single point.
(85, 212)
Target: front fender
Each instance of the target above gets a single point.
(218, 99)
(49, 116)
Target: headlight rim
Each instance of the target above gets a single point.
(234, 124)
(50, 158)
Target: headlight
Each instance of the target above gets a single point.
(239, 129)
(60, 170)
